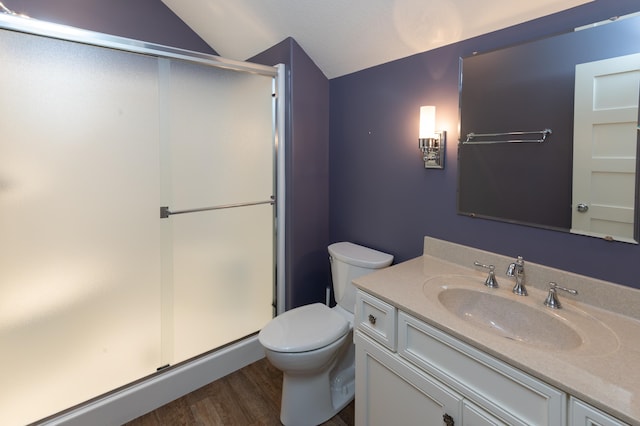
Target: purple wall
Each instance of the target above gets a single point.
(307, 169)
(145, 20)
(382, 197)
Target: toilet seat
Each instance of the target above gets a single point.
(304, 329)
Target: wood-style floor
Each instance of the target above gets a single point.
(247, 397)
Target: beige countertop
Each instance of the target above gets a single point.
(603, 371)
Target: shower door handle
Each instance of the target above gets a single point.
(165, 212)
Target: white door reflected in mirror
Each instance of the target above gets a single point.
(604, 148)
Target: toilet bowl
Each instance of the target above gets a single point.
(313, 344)
(308, 369)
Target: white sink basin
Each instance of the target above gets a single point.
(510, 318)
(522, 319)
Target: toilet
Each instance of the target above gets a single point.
(313, 344)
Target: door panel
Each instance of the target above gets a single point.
(605, 145)
(220, 151)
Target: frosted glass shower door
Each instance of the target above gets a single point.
(220, 152)
(79, 234)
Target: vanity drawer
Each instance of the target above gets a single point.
(502, 390)
(377, 319)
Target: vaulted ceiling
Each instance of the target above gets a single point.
(344, 36)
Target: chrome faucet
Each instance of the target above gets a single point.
(516, 269)
(491, 280)
(552, 300)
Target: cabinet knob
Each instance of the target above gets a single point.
(372, 319)
(448, 420)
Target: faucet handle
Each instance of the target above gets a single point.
(552, 299)
(491, 280)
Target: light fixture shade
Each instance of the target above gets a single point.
(427, 122)
(431, 141)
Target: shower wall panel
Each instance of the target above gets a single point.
(80, 246)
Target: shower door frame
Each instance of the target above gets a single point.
(151, 392)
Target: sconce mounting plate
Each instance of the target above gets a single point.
(433, 150)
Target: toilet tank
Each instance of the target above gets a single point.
(350, 261)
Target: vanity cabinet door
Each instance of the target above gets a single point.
(390, 391)
(582, 414)
(474, 415)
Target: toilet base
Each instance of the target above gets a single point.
(317, 385)
(313, 400)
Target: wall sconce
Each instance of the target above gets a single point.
(431, 142)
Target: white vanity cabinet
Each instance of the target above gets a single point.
(582, 414)
(392, 392)
(416, 374)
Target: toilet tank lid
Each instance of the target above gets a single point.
(356, 255)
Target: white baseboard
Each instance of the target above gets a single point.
(145, 396)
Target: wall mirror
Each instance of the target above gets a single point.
(549, 132)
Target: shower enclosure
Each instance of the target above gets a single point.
(137, 211)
